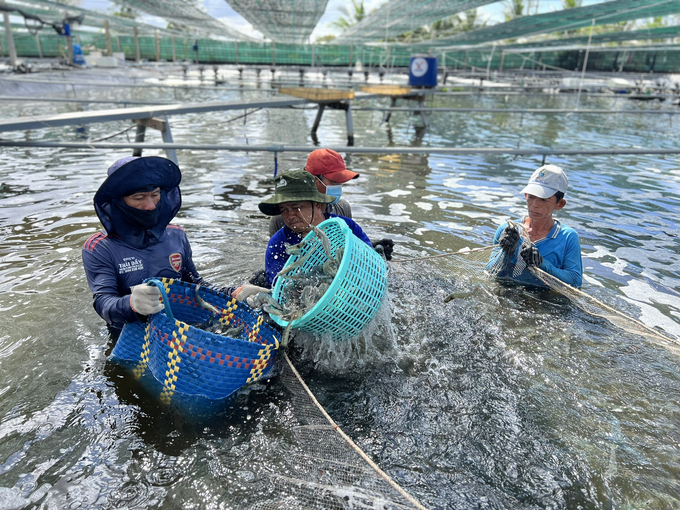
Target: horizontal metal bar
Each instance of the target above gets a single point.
(67, 119)
(345, 149)
(30, 99)
(535, 111)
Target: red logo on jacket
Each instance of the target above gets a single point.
(176, 261)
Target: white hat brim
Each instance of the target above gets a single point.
(539, 190)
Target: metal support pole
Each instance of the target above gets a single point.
(393, 103)
(186, 49)
(118, 42)
(488, 66)
(350, 125)
(158, 46)
(236, 52)
(37, 41)
(423, 115)
(139, 138)
(69, 49)
(313, 48)
(107, 32)
(167, 138)
(350, 56)
(502, 60)
(174, 53)
(11, 49)
(585, 64)
(273, 53)
(138, 55)
(317, 120)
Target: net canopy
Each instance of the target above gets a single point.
(631, 35)
(184, 14)
(567, 19)
(398, 16)
(284, 21)
(54, 12)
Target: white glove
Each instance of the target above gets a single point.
(146, 299)
(245, 291)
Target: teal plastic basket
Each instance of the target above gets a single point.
(357, 290)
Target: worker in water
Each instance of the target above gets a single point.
(330, 173)
(135, 204)
(298, 200)
(546, 243)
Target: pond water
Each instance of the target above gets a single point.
(506, 398)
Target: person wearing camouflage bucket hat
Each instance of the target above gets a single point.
(302, 205)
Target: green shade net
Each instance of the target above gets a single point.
(567, 19)
(399, 16)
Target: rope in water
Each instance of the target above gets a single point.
(349, 441)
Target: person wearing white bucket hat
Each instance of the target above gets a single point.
(554, 248)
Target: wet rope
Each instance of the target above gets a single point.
(351, 443)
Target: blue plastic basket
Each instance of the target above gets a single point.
(357, 290)
(189, 361)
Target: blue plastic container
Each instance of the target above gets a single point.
(422, 71)
(357, 290)
(186, 360)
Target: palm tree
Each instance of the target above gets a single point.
(571, 4)
(350, 18)
(514, 9)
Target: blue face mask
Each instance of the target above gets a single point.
(332, 191)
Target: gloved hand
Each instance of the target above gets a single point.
(384, 247)
(245, 291)
(509, 239)
(146, 299)
(531, 256)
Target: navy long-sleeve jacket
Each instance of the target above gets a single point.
(123, 255)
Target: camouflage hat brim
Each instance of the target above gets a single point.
(293, 186)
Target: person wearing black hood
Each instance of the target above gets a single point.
(135, 204)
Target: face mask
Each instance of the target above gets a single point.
(144, 220)
(334, 191)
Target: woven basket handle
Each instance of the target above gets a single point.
(164, 296)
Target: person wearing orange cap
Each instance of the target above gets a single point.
(328, 168)
(330, 173)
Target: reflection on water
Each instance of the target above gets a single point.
(502, 398)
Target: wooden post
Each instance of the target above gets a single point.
(158, 46)
(37, 40)
(10, 41)
(138, 55)
(174, 54)
(107, 32)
